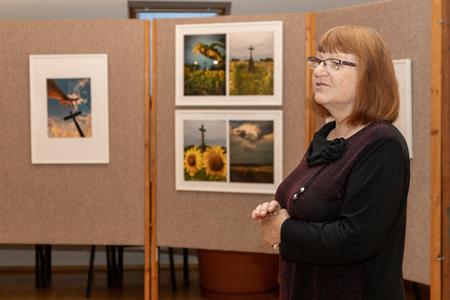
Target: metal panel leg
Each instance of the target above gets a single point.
(48, 268)
(37, 269)
(43, 268)
(120, 266)
(114, 258)
(186, 267)
(90, 273)
(108, 265)
(173, 278)
(416, 290)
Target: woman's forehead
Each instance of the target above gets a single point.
(339, 55)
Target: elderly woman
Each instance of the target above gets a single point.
(339, 217)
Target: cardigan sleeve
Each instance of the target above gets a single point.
(376, 188)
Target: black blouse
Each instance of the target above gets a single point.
(347, 205)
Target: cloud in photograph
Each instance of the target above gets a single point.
(73, 88)
(251, 142)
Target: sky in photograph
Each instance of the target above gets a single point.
(262, 43)
(191, 40)
(215, 133)
(58, 128)
(251, 142)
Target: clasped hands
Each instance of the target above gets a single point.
(271, 216)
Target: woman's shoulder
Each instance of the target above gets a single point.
(382, 134)
(378, 129)
(383, 130)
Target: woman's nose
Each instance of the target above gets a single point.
(320, 70)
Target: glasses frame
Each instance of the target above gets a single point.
(318, 61)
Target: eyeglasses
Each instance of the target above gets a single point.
(330, 64)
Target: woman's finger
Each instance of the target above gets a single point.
(264, 208)
(274, 206)
(256, 214)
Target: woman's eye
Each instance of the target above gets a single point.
(334, 64)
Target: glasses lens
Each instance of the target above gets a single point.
(333, 64)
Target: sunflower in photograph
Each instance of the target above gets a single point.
(215, 162)
(192, 161)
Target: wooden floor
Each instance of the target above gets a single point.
(70, 285)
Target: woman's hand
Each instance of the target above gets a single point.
(271, 227)
(265, 209)
(272, 217)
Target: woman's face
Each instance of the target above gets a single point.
(336, 89)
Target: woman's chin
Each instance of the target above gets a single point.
(320, 100)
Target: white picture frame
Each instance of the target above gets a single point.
(404, 122)
(76, 85)
(251, 144)
(266, 41)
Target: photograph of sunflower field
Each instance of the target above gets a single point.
(232, 64)
(204, 64)
(252, 151)
(251, 63)
(205, 152)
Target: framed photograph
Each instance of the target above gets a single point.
(404, 122)
(229, 64)
(69, 109)
(228, 151)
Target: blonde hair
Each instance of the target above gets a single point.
(376, 89)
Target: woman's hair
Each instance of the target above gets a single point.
(376, 88)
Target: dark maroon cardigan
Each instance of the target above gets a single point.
(345, 235)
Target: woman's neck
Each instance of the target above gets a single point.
(344, 130)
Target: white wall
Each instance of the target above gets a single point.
(251, 7)
(63, 9)
(118, 9)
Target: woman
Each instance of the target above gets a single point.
(339, 217)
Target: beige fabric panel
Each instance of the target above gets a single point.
(73, 204)
(220, 220)
(406, 27)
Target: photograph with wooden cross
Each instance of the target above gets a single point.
(251, 63)
(205, 150)
(228, 150)
(69, 109)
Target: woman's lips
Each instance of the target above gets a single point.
(320, 86)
